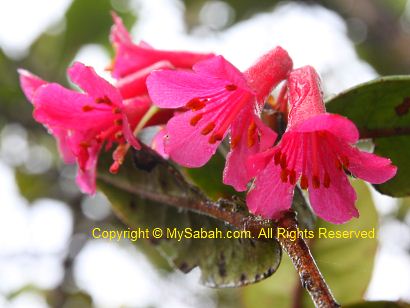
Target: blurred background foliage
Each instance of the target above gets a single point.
(379, 31)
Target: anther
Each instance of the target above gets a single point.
(284, 175)
(115, 167)
(119, 136)
(118, 122)
(277, 157)
(103, 100)
(326, 180)
(84, 144)
(231, 87)
(345, 161)
(304, 183)
(208, 128)
(116, 110)
(292, 177)
(87, 108)
(251, 134)
(214, 138)
(338, 164)
(235, 141)
(315, 181)
(283, 161)
(195, 104)
(195, 119)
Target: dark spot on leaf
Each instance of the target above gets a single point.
(403, 108)
(145, 160)
(243, 278)
(257, 277)
(184, 267)
(222, 265)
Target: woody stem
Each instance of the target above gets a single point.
(310, 276)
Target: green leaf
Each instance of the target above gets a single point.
(346, 264)
(380, 109)
(209, 178)
(379, 304)
(144, 196)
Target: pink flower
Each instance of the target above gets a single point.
(83, 122)
(131, 58)
(217, 98)
(315, 150)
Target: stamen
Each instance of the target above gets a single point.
(277, 157)
(118, 122)
(87, 108)
(326, 180)
(284, 175)
(116, 110)
(84, 144)
(251, 134)
(315, 181)
(283, 161)
(235, 141)
(214, 138)
(195, 104)
(195, 119)
(115, 167)
(208, 128)
(292, 177)
(345, 161)
(338, 165)
(304, 183)
(103, 100)
(231, 87)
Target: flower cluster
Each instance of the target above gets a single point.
(201, 100)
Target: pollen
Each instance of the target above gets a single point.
(284, 175)
(195, 119)
(116, 110)
(235, 141)
(304, 184)
(196, 104)
(292, 177)
(251, 134)
(215, 138)
(87, 108)
(103, 100)
(208, 128)
(231, 87)
(118, 122)
(277, 157)
(283, 161)
(315, 181)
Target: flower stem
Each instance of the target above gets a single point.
(144, 120)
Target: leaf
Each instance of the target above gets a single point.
(145, 196)
(380, 109)
(346, 264)
(379, 304)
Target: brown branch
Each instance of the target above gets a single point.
(385, 132)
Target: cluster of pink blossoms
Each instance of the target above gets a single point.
(202, 99)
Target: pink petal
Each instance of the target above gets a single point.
(234, 173)
(86, 177)
(336, 124)
(29, 83)
(369, 167)
(185, 144)
(119, 34)
(131, 58)
(270, 196)
(56, 106)
(173, 89)
(268, 71)
(88, 80)
(134, 84)
(305, 95)
(257, 163)
(158, 143)
(336, 203)
(129, 134)
(64, 145)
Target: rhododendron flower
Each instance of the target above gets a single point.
(83, 122)
(131, 58)
(217, 98)
(315, 150)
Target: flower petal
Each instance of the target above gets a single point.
(30, 83)
(336, 203)
(185, 144)
(369, 167)
(158, 143)
(336, 124)
(270, 196)
(88, 80)
(86, 175)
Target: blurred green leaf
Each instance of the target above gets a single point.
(379, 304)
(223, 262)
(381, 108)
